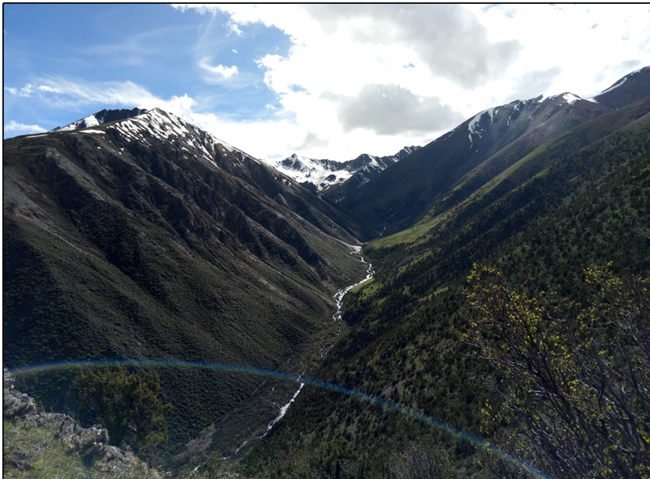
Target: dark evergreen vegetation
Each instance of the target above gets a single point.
(511, 303)
(551, 234)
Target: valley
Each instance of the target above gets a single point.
(476, 307)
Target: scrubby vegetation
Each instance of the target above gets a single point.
(417, 327)
(510, 322)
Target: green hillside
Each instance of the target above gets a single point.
(415, 330)
(504, 333)
(125, 250)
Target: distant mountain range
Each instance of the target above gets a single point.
(326, 175)
(132, 234)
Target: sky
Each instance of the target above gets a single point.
(323, 81)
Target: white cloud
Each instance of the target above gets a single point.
(563, 37)
(461, 60)
(234, 28)
(24, 92)
(16, 128)
(50, 89)
(71, 93)
(218, 73)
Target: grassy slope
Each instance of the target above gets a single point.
(111, 256)
(406, 345)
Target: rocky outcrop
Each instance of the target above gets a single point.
(91, 444)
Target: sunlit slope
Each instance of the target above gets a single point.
(578, 201)
(478, 150)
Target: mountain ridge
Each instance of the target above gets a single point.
(321, 175)
(101, 117)
(397, 198)
(148, 238)
(145, 237)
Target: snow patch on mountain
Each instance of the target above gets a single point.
(87, 122)
(474, 126)
(634, 85)
(615, 85)
(570, 98)
(99, 118)
(101, 132)
(566, 97)
(160, 125)
(321, 174)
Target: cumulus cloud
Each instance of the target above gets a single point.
(391, 109)
(448, 39)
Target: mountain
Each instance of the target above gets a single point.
(494, 139)
(503, 334)
(560, 240)
(632, 87)
(327, 175)
(148, 238)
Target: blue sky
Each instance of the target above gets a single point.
(326, 81)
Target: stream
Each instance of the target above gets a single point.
(338, 316)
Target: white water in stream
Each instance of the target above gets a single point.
(283, 410)
(338, 297)
(342, 292)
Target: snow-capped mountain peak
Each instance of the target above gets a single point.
(99, 118)
(157, 125)
(322, 174)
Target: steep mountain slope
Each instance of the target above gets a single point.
(632, 87)
(585, 204)
(327, 175)
(495, 138)
(149, 238)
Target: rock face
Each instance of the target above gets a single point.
(90, 444)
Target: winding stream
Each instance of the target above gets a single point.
(342, 292)
(338, 316)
